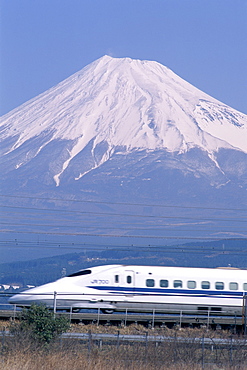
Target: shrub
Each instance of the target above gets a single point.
(41, 324)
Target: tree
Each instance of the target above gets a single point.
(41, 323)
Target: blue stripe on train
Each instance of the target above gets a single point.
(157, 291)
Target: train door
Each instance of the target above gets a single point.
(129, 280)
(125, 280)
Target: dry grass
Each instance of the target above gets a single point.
(127, 358)
(111, 359)
(19, 353)
(135, 329)
(139, 329)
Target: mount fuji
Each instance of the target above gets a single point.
(125, 130)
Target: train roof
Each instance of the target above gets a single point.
(187, 271)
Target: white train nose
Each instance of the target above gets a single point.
(27, 299)
(21, 299)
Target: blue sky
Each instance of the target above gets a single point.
(45, 41)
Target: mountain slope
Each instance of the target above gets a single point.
(117, 105)
(126, 149)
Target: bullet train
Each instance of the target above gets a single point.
(110, 288)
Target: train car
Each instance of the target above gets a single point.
(144, 289)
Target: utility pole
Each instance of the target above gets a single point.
(55, 303)
(244, 314)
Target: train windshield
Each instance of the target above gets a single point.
(79, 273)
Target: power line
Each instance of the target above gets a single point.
(122, 203)
(143, 248)
(147, 228)
(120, 214)
(118, 224)
(158, 221)
(71, 243)
(116, 236)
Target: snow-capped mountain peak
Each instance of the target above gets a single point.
(123, 103)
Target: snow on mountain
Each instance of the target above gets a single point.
(119, 105)
(117, 149)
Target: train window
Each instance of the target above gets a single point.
(244, 286)
(177, 284)
(216, 309)
(129, 279)
(205, 285)
(233, 286)
(191, 284)
(150, 282)
(116, 278)
(79, 273)
(219, 285)
(164, 283)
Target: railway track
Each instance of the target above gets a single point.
(149, 320)
(146, 338)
